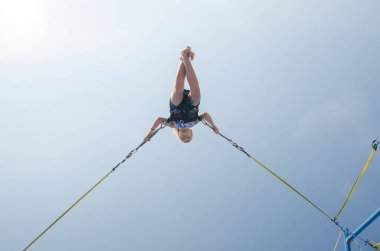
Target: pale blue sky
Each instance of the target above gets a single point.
(296, 83)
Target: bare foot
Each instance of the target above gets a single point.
(187, 54)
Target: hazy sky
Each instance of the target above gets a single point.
(295, 82)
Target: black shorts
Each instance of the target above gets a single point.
(185, 110)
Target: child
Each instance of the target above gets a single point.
(184, 103)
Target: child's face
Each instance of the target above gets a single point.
(185, 135)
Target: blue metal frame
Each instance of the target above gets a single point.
(347, 244)
(365, 224)
(348, 238)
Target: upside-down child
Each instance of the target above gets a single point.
(184, 104)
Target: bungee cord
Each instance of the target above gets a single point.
(334, 220)
(162, 125)
(130, 154)
(273, 173)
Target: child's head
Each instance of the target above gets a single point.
(185, 135)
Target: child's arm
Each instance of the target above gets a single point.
(208, 118)
(156, 123)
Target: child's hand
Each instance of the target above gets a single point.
(216, 129)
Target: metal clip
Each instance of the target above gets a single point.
(241, 148)
(375, 143)
(236, 145)
(130, 154)
(335, 220)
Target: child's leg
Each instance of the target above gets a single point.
(177, 94)
(195, 91)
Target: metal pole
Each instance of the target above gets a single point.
(363, 226)
(347, 244)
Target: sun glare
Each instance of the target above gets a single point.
(23, 25)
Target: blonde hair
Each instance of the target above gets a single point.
(176, 131)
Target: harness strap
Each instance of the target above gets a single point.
(374, 148)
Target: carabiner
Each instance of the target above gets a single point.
(375, 143)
